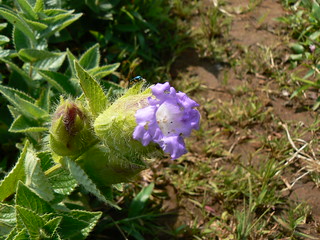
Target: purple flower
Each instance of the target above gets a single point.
(169, 118)
(312, 48)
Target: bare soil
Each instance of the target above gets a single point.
(249, 29)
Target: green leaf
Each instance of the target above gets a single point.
(92, 90)
(59, 81)
(50, 64)
(58, 22)
(315, 10)
(6, 53)
(13, 111)
(20, 40)
(46, 160)
(113, 89)
(7, 219)
(27, 9)
(314, 35)
(83, 179)
(26, 198)
(51, 226)
(35, 177)
(31, 221)
(71, 60)
(91, 218)
(56, 236)
(9, 183)
(39, 6)
(11, 92)
(297, 48)
(4, 39)
(139, 202)
(18, 235)
(62, 182)
(18, 22)
(28, 80)
(3, 25)
(91, 58)
(35, 55)
(296, 57)
(7, 215)
(100, 72)
(44, 99)
(24, 125)
(78, 224)
(36, 26)
(28, 109)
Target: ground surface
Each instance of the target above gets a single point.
(246, 108)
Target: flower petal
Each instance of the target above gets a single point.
(174, 145)
(169, 118)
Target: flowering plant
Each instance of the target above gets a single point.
(169, 118)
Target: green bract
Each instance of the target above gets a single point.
(107, 166)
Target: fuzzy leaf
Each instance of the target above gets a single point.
(92, 90)
(28, 80)
(31, 220)
(4, 39)
(26, 198)
(71, 60)
(51, 226)
(62, 182)
(59, 21)
(27, 9)
(28, 109)
(35, 177)
(45, 159)
(36, 26)
(44, 99)
(83, 179)
(34, 55)
(78, 224)
(24, 125)
(18, 235)
(50, 64)
(7, 219)
(11, 92)
(91, 58)
(56, 236)
(3, 25)
(7, 215)
(18, 22)
(20, 40)
(100, 72)
(39, 6)
(9, 183)
(59, 81)
(6, 53)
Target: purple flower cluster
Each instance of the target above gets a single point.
(169, 118)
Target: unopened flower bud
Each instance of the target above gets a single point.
(70, 131)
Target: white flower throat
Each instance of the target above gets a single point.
(169, 118)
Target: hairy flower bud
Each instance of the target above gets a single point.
(117, 123)
(70, 131)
